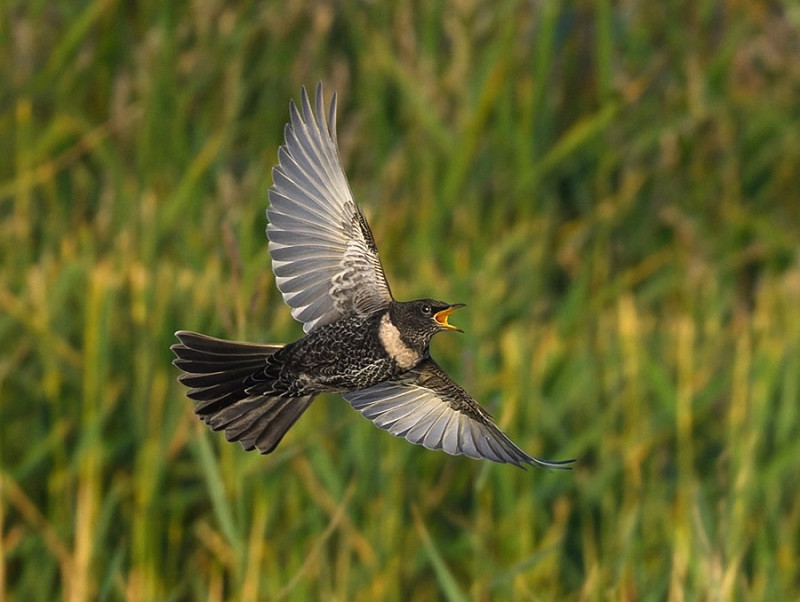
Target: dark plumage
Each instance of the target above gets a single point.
(360, 341)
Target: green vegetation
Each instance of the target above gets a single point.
(613, 190)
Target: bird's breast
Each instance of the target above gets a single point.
(404, 356)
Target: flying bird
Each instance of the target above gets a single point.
(360, 342)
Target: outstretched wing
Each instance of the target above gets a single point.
(426, 407)
(323, 254)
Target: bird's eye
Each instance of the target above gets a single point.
(426, 309)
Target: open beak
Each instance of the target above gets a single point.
(441, 317)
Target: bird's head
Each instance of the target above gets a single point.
(419, 320)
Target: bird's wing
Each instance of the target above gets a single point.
(426, 407)
(324, 257)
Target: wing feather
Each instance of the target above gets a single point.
(426, 407)
(323, 253)
(434, 438)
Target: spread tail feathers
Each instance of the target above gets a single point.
(218, 374)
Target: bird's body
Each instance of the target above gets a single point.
(349, 354)
(336, 358)
(360, 341)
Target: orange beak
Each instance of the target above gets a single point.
(441, 317)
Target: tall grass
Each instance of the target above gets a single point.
(611, 187)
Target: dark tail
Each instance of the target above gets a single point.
(218, 374)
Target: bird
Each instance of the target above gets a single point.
(359, 341)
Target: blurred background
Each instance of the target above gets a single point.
(611, 187)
